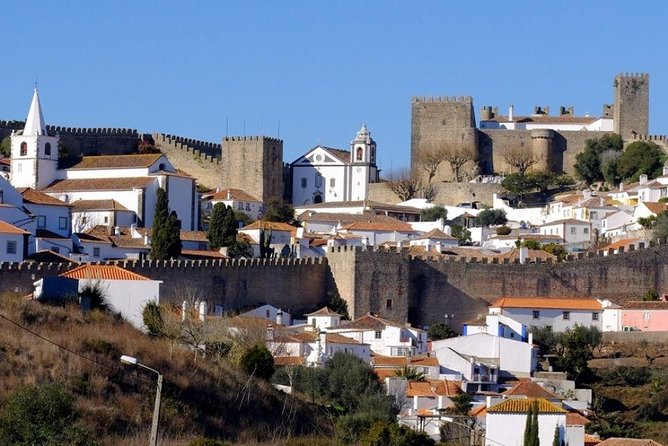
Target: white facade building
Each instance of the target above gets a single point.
(505, 422)
(325, 174)
(559, 313)
(237, 199)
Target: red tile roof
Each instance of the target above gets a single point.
(522, 405)
(98, 205)
(371, 322)
(86, 184)
(629, 442)
(118, 161)
(36, 197)
(530, 389)
(623, 242)
(432, 388)
(273, 225)
(646, 305)
(655, 208)
(576, 419)
(6, 228)
(194, 236)
(591, 440)
(104, 272)
(281, 361)
(396, 225)
(324, 311)
(194, 254)
(566, 303)
(232, 194)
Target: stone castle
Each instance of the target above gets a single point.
(554, 141)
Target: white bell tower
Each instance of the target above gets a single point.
(34, 153)
(363, 164)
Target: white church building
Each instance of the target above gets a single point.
(325, 174)
(130, 181)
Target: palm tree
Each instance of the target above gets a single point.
(410, 373)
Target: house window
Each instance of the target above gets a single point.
(83, 220)
(645, 315)
(240, 206)
(62, 223)
(536, 314)
(24, 148)
(379, 334)
(318, 180)
(585, 230)
(248, 206)
(96, 252)
(304, 183)
(332, 182)
(566, 315)
(106, 220)
(388, 304)
(573, 230)
(47, 149)
(41, 221)
(594, 316)
(267, 314)
(593, 215)
(359, 154)
(11, 246)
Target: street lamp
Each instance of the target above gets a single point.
(448, 317)
(130, 360)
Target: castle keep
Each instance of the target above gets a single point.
(554, 140)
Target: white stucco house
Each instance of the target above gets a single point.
(270, 313)
(13, 243)
(238, 199)
(505, 421)
(323, 319)
(576, 233)
(326, 174)
(385, 337)
(125, 291)
(315, 348)
(558, 313)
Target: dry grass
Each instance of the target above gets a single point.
(116, 401)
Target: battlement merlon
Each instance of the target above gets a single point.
(253, 138)
(639, 137)
(632, 75)
(96, 131)
(463, 99)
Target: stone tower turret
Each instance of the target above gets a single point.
(631, 108)
(253, 164)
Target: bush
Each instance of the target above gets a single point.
(440, 331)
(434, 213)
(201, 441)
(391, 434)
(42, 415)
(492, 217)
(503, 230)
(258, 361)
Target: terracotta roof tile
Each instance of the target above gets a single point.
(530, 389)
(436, 234)
(576, 419)
(629, 442)
(281, 361)
(646, 305)
(655, 208)
(334, 338)
(194, 254)
(6, 228)
(389, 361)
(396, 225)
(86, 184)
(104, 272)
(591, 440)
(424, 361)
(273, 225)
(623, 242)
(324, 311)
(117, 161)
(567, 303)
(36, 197)
(194, 236)
(432, 388)
(48, 256)
(234, 194)
(522, 405)
(371, 322)
(97, 205)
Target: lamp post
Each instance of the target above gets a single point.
(448, 317)
(153, 441)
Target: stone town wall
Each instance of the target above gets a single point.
(197, 158)
(446, 193)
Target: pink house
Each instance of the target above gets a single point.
(645, 316)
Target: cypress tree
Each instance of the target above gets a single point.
(166, 230)
(173, 232)
(535, 439)
(557, 440)
(216, 226)
(527, 427)
(229, 227)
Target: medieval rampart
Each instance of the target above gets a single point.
(199, 159)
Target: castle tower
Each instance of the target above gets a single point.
(363, 160)
(631, 108)
(34, 154)
(253, 164)
(542, 141)
(442, 123)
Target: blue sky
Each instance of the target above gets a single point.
(201, 69)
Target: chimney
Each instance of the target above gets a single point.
(279, 317)
(229, 195)
(587, 194)
(643, 179)
(511, 112)
(524, 254)
(117, 231)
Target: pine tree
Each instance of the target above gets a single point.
(216, 226)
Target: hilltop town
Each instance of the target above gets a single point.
(500, 289)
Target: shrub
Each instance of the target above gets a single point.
(202, 441)
(503, 230)
(258, 361)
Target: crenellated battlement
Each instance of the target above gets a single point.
(252, 138)
(633, 75)
(83, 131)
(462, 99)
(658, 138)
(207, 151)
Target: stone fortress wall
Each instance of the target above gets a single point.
(386, 282)
(451, 122)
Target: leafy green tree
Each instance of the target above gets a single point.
(391, 434)
(503, 230)
(165, 233)
(434, 213)
(349, 378)
(531, 434)
(462, 403)
(42, 415)
(541, 180)
(556, 441)
(556, 249)
(590, 163)
(518, 184)
(279, 211)
(240, 249)
(440, 331)
(641, 157)
(577, 344)
(648, 222)
(217, 231)
(462, 235)
(258, 361)
(529, 243)
(650, 295)
(492, 217)
(337, 304)
(6, 147)
(242, 218)
(660, 227)
(229, 227)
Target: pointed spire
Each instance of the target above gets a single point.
(35, 121)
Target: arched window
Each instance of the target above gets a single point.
(318, 180)
(24, 148)
(47, 149)
(359, 154)
(161, 166)
(317, 199)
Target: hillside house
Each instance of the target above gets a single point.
(314, 348)
(645, 315)
(237, 199)
(505, 422)
(576, 233)
(558, 313)
(14, 243)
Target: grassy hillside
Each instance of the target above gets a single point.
(115, 401)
